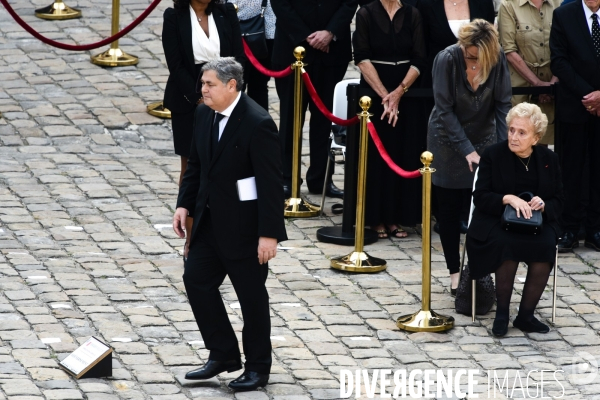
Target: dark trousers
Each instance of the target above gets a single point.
(324, 78)
(205, 270)
(451, 202)
(576, 140)
(257, 83)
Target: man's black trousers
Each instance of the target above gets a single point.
(205, 270)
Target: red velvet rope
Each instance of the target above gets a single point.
(82, 47)
(319, 103)
(386, 157)
(273, 74)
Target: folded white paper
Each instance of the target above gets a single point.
(247, 189)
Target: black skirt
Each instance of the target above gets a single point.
(183, 127)
(486, 256)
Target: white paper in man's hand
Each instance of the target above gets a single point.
(247, 189)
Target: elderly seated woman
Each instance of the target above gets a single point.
(507, 169)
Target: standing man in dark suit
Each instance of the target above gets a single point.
(575, 60)
(232, 187)
(322, 27)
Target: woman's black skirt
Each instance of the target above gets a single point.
(486, 256)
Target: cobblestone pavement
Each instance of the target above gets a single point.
(87, 190)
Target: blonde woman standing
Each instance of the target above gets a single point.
(471, 87)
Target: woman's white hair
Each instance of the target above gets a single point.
(537, 118)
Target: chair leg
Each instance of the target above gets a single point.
(473, 297)
(555, 286)
(325, 182)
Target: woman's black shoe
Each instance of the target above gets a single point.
(500, 327)
(530, 325)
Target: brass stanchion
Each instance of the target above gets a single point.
(114, 57)
(358, 260)
(296, 206)
(57, 10)
(158, 110)
(426, 320)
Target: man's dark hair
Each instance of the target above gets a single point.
(227, 68)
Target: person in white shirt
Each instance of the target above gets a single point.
(194, 33)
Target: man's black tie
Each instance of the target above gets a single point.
(215, 134)
(596, 34)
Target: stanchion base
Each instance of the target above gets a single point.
(425, 321)
(158, 110)
(300, 208)
(335, 235)
(58, 10)
(114, 58)
(358, 262)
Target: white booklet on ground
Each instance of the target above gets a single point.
(247, 189)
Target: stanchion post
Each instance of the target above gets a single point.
(296, 206)
(358, 260)
(57, 10)
(426, 320)
(114, 57)
(159, 110)
(345, 234)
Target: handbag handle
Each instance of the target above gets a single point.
(263, 5)
(528, 194)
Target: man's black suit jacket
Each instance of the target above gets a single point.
(180, 92)
(249, 146)
(496, 178)
(573, 61)
(297, 19)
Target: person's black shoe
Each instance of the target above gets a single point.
(593, 241)
(330, 191)
(530, 325)
(249, 380)
(463, 227)
(213, 368)
(287, 191)
(500, 327)
(567, 242)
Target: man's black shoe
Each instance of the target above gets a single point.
(330, 191)
(249, 380)
(568, 242)
(593, 241)
(500, 327)
(213, 368)
(530, 325)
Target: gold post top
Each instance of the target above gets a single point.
(426, 158)
(365, 103)
(299, 53)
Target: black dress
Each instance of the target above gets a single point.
(391, 199)
(486, 256)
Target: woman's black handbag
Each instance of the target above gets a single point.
(253, 31)
(510, 222)
(485, 294)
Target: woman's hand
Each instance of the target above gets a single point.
(521, 206)
(390, 106)
(537, 204)
(472, 158)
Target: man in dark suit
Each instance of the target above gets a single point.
(232, 187)
(322, 27)
(575, 60)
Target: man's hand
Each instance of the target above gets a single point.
(267, 249)
(320, 40)
(591, 102)
(179, 221)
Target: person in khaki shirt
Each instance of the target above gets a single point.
(524, 27)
